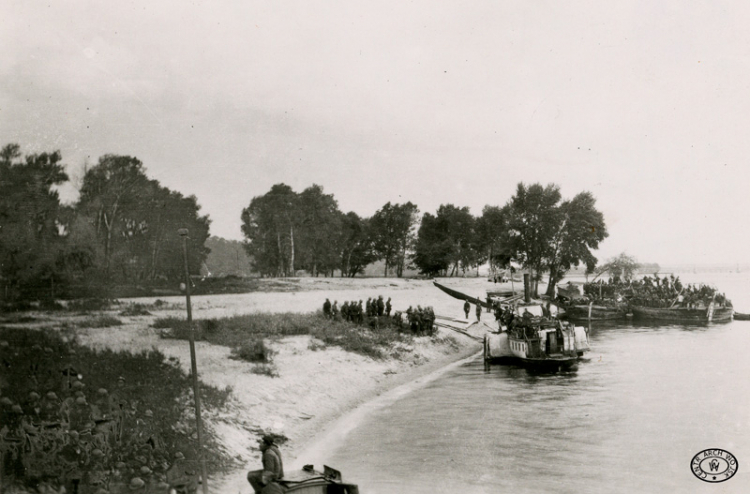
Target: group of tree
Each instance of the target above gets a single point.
(535, 228)
(122, 229)
(286, 231)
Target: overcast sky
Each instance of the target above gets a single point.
(645, 104)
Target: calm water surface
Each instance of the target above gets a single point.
(627, 420)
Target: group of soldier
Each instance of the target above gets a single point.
(356, 312)
(420, 321)
(64, 435)
(658, 292)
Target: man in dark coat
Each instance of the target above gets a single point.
(327, 308)
(478, 311)
(467, 308)
(273, 468)
(381, 306)
(388, 307)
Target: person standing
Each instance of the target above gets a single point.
(273, 469)
(388, 307)
(380, 306)
(479, 311)
(467, 308)
(327, 308)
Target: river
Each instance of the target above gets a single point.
(629, 419)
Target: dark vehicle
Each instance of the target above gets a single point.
(310, 481)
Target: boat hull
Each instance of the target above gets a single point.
(683, 315)
(598, 313)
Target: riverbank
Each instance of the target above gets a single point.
(316, 385)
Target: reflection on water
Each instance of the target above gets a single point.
(628, 419)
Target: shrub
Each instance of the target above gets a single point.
(100, 322)
(135, 310)
(90, 304)
(253, 350)
(269, 370)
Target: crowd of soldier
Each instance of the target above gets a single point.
(357, 312)
(96, 443)
(418, 321)
(656, 292)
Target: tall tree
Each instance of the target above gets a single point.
(490, 233)
(356, 244)
(269, 224)
(445, 240)
(31, 221)
(111, 189)
(545, 235)
(319, 231)
(393, 234)
(581, 229)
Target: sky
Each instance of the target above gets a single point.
(644, 104)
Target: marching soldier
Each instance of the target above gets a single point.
(467, 308)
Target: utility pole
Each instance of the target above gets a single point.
(183, 232)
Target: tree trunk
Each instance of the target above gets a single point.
(552, 283)
(291, 250)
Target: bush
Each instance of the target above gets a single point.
(269, 370)
(100, 322)
(90, 304)
(253, 350)
(135, 310)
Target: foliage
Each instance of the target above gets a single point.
(356, 244)
(227, 258)
(619, 268)
(99, 322)
(235, 331)
(253, 349)
(31, 222)
(43, 361)
(544, 234)
(393, 236)
(135, 221)
(445, 240)
(490, 230)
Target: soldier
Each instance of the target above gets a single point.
(388, 307)
(50, 410)
(273, 467)
(74, 456)
(467, 308)
(181, 477)
(327, 308)
(335, 309)
(360, 313)
(380, 306)
(369, 306)
(479, 311)
(345, 311)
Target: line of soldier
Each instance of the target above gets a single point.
(63, 437)
(356, 312)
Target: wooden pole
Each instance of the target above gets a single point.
(194, 364)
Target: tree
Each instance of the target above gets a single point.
(393, 235)
(319, 231)
(111, 189)
(621, 267)
(269, 225)
(356, 244)
(136, 220)
(581, 230)
(445, 240)
(544, 235)
(31, 222)
(490, 231)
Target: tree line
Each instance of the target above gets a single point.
(122, 229)
(286, 231)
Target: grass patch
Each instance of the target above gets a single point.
(236, 331)
(100, 322)
(269, 370)
(135, 310)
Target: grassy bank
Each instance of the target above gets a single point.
(378, 340)
(127, 411)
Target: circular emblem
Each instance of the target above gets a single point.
(714, 465)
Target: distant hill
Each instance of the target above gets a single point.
(227, 257)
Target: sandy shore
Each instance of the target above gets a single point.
(319, 394)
